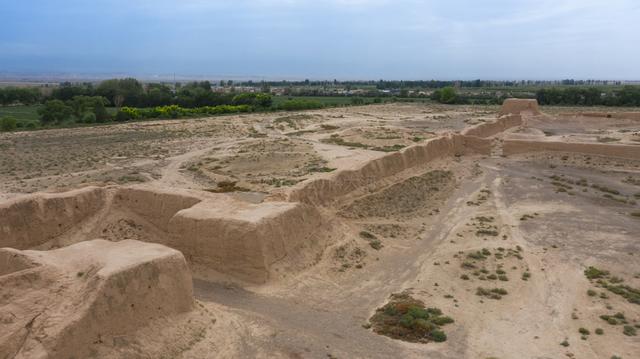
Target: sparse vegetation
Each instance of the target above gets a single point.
(630, 331)
(595, 273)
(613, 284)
(228, 186)
(407, 319)
(495, 293)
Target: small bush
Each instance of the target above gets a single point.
(376, 244)
(599, 331)
(406, 318)
(495, 293)
(629, 331)
(584, 331)
(8, 124)
(595, 273)
(367, 235)
(89, 117)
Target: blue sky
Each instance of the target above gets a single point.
(325, 39)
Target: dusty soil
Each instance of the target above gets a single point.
(499, 244)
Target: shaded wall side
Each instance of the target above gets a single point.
(156, 206)
(33, 220)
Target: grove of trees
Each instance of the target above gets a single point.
(19, 95)
(574, 96)
(128, 99)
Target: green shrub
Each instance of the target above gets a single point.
(495, 293)
(367, 235)
(629, 331)
(595, 273)
(407, 319)
(438, 336)
(442, 320)
(127, 113)
(599, 331)
(54, 111)
(89, 117)
(8, 124)
(376, 244)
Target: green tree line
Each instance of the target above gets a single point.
(627, 96)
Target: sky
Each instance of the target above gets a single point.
(325, 39)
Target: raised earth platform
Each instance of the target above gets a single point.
(58, 303)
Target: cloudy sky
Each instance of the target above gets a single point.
(325, 39)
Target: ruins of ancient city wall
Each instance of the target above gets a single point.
(247, 242)
(472, 141)
(221, 233)
(213, 230)
(157, 206)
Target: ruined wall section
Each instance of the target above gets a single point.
(32, 220)
(95, 291)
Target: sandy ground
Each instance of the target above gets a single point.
(528, 224)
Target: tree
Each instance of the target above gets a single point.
(446, 95)
(263, 100)
(54, 111)
(24, 96)
(89, 117)
(157, 95)
(81, 105)
(122, 92)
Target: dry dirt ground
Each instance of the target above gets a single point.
(528, 225)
